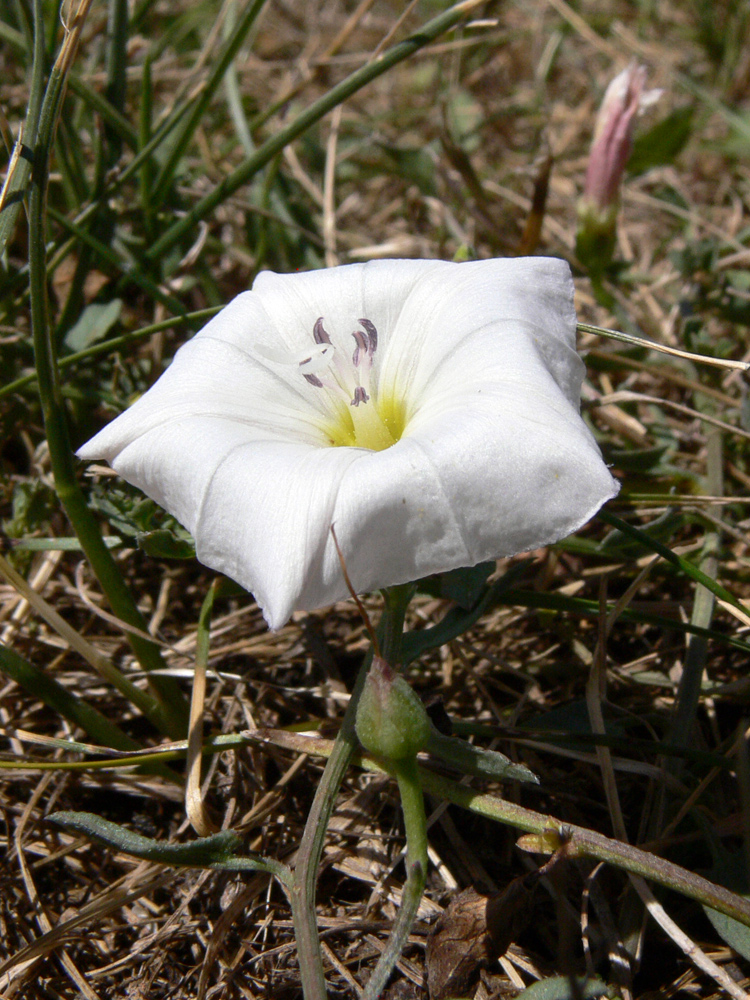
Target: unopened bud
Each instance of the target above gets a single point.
(391, 720)
(624, 99)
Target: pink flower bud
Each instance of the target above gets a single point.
(624, 98)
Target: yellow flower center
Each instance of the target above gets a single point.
(361, 416)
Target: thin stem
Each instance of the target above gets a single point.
(415, 823)
(551, 834)
(392, 625)
(311, 846)
(194, 806)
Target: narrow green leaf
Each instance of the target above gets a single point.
(473, 760)
(58, 544)
(217, 851)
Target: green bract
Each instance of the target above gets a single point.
(391, 720)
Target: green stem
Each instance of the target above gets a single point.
(311, 846)
(550, 834)
(392, 624)
(415, 823)
(168, 710)
(580, 842)
(112, 344)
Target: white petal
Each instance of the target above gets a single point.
(376, 291)
(516, 305)
(211, 378)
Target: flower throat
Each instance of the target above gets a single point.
(362, 416)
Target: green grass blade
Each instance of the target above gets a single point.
(78, 712)
(317, 110)
(113, 344)
(190, 123)
(671, 557)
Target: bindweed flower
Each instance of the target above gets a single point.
(624, 99)
(429, 410)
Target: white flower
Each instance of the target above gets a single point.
(428, 410)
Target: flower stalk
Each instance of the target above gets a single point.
(415, 826)
(390, 629)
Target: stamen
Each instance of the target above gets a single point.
(372, 334)
(321, 337)
(348, 382)
(360, 339)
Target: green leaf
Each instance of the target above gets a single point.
(135, 516)
(217, 851)
(663, 142)
(93, 325)
(637, 459)
(165, 543)
(730, 871)
(566, 988)
(458, 620)
(464, 586)
(474, 760)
